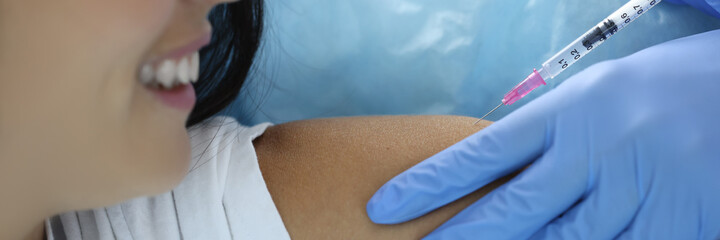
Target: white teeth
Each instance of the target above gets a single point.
(170, 73)
(166, 74)
(146, 74)
(194, 67)
(183, 71)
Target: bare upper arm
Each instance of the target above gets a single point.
(321, 173)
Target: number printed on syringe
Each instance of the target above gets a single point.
(595, 36)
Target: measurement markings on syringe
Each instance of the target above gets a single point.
(569, 55)
(640, 10)
(601, 33)
(604, 31)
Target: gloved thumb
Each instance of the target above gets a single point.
(496, 151)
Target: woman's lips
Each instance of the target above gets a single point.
(169, 76)
(181, 97)
(191, 47)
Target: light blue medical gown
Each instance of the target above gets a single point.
(326, 58)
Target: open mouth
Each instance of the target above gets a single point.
(169, 76)
(171, 73)
(170, 80)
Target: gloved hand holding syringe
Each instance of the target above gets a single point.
(577, 49)
(602, 156)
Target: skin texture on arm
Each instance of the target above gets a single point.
(321, 173)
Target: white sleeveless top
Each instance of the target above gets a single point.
(223, 197)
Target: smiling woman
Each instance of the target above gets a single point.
(98, 116)
(81, 125)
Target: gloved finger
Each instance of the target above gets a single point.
(607, 209)
(496, 151)
(680, 220)
(522, 206)
(679, 204)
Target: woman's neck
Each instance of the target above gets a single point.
(21, 217)
(13, 229)
(37, 232)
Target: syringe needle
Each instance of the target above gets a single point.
(570, 54)
(491, 111)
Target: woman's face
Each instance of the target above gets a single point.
(77, 126)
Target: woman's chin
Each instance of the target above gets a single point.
(157, 164)
(166, 172)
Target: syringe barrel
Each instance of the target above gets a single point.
(596, 36)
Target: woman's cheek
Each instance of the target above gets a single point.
(129, 27)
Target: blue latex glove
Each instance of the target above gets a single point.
(627, 148)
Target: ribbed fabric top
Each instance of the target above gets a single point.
(223, 197)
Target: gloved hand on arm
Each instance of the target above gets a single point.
(628, 148)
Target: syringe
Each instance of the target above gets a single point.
(578, 49)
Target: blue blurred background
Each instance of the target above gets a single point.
(327, 58)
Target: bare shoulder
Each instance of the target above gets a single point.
(321, 172)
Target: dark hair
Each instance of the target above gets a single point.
(227, 61)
